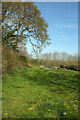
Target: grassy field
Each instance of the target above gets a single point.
(40, 93)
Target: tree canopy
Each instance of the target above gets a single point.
(22, 22)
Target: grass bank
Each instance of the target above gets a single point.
(40, 93)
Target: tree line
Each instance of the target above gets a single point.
(57, 59)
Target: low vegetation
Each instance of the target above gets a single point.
(36, 92)
(11, 60)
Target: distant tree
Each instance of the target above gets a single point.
(63, 56)
(55, 56)
(22, 22)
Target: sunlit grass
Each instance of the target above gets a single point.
(40, 93)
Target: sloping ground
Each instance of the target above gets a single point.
(40, 93)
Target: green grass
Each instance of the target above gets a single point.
(40, 93)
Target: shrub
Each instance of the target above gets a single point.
(23, 58)
(11, 60)
(71, 67)
(8, 59)
(61, 66)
